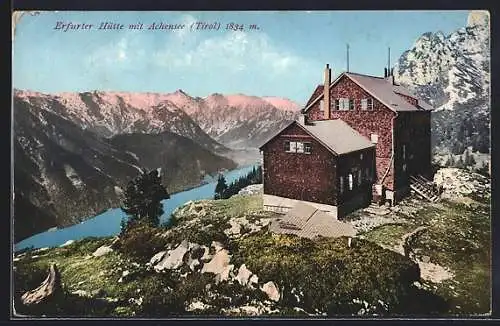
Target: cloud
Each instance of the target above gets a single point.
(234, 51)
(112, 53)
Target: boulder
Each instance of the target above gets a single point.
(81, 293)
(219, 265)
(243, 275)
(206, 254)
(271, 290)
(174, 258)
(101, 251)
(224, 275)
(49, 288)
(217, 246)
(157, 258)
(193, 263)
(254, 279)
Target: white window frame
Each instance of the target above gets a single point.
(351, 181)
(374, 138)
(299, 147)
(364, 104)
(343, 104)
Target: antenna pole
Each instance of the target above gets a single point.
(389, 60)
(347, 54)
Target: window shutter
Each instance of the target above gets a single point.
(287, 146)
(307, 148)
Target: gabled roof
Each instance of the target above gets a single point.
(383, 90)
(336, 135)
(318, 91)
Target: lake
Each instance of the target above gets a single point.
(108, 223)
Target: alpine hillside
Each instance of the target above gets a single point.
(452, 73)
(65, 173)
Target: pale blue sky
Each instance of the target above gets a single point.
(284, 58)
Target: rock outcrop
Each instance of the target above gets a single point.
(271, 290)
(101, 251)
(49, 288)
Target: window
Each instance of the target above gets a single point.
(361, 156)
(364, 104)
(341, 184)
(287, 146)
(337, 104)
(360, 178)
(307, 148)
(351, 181)
(300, 147)
(351, 104)
(367, 174)
(374, 138)
(343, 104)
(322, 105)
(367, 104)
(370, 104)
(297, 147)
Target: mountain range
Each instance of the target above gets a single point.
(452, 72)
(75, 152)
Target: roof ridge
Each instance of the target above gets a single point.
(365, 75)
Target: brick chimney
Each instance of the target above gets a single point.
(326, 92)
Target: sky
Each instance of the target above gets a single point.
(284, 57)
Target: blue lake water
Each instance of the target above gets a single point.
(108, 223)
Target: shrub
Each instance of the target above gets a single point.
(140, 241)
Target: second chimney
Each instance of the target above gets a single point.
(326, 92)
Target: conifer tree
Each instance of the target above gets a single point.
(221, 187)
(143, 198)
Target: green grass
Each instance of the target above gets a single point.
(458, 236)
(388, 234)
